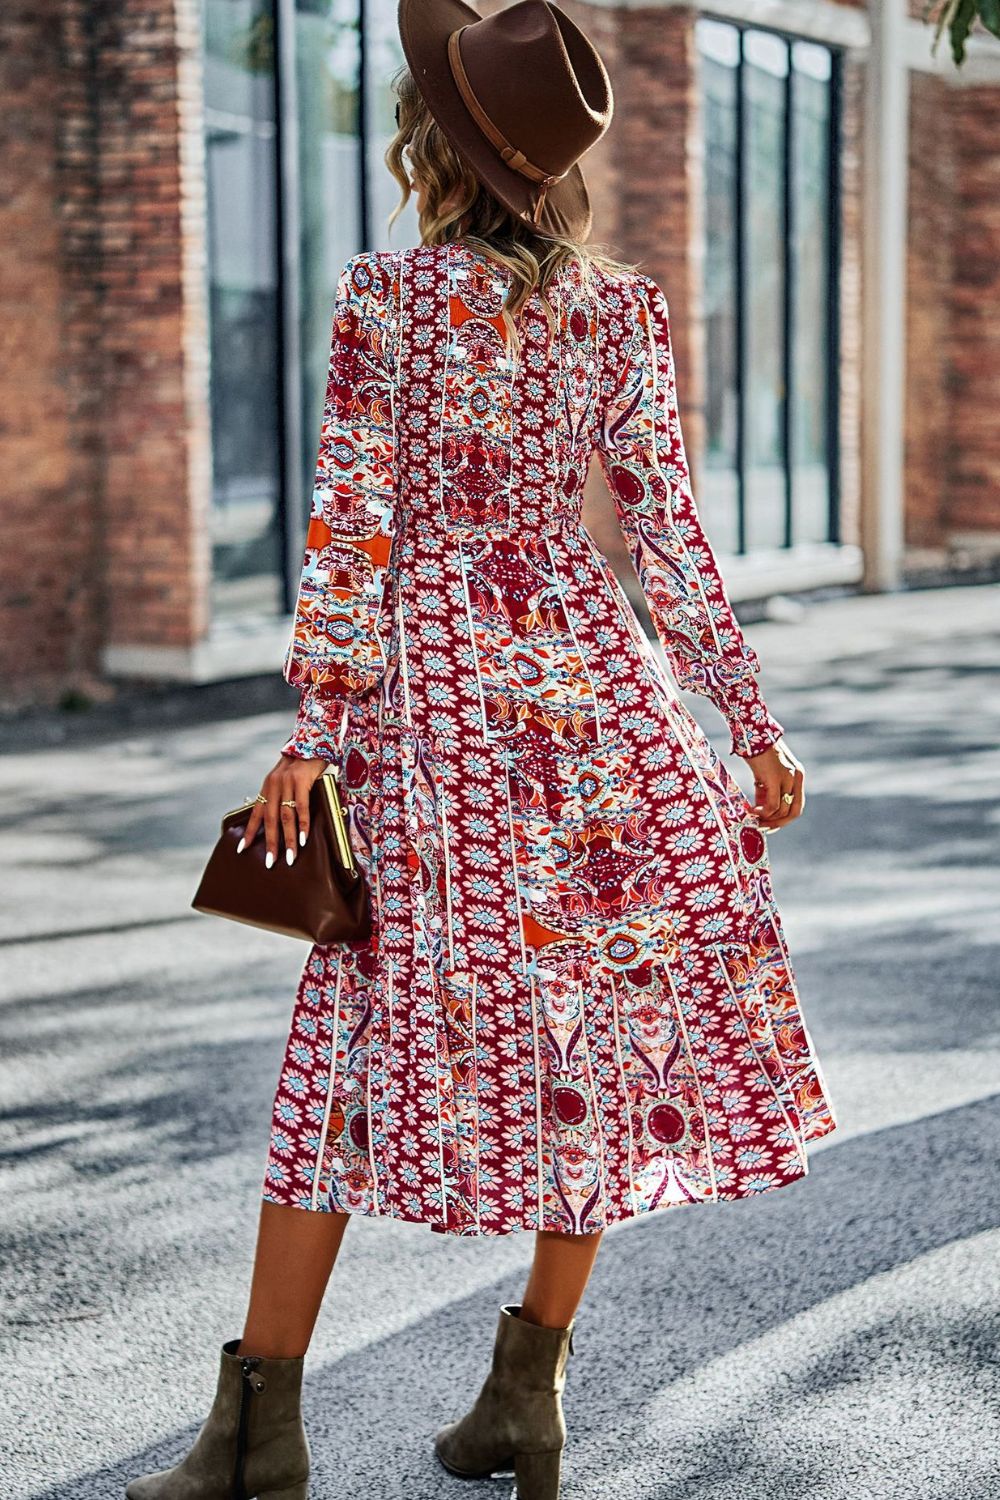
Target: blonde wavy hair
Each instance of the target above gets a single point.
(457, 206)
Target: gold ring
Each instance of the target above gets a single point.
(261, 799)
(787, 798)
(289, 804)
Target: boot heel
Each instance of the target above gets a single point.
(537, 1475)
(296, 1492)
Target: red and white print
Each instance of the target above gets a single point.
(576, 1004)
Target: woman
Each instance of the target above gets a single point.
(576, 1005)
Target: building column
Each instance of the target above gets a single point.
(884, 296)
(157, 456)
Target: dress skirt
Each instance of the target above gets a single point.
(577, 1004)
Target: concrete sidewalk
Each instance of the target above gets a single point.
(834, 1341)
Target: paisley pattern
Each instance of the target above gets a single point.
(576, 1004)
(335, 642)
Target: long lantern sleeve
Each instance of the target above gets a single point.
(641, 451)
(336, 650)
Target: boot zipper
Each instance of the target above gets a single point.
(251, 1382)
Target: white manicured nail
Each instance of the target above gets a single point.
(289, 856)
(241, 846)
(269, 861)
(302, 838)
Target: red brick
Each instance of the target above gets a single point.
(93, 188)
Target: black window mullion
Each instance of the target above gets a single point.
(788, 297)
(364, 186)
(740, 302)
(832, 392)
(291, 509)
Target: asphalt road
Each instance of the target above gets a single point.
(836, 1340)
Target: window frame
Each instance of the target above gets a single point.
(741, 282)
(292, 514)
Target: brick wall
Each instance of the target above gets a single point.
(154, 325)
(47, 317)
(973, 500)
(931, 212)
(105, 427)
(852, 191)
(602, 165)
(658, 147)
(953, 292)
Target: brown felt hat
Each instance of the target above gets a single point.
(520, 95)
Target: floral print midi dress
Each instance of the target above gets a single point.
(576, 1005)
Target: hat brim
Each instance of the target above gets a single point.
(424, 29)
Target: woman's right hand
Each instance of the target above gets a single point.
(286, 789)
(779, 786)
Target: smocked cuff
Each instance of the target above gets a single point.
(317, 728)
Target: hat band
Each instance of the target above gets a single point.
(514, 158)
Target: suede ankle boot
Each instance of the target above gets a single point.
(517, 1421)
(252, 1446)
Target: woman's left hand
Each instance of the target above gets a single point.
(779, 786)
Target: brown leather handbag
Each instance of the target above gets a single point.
(322, 897)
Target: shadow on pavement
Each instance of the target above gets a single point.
(667, 1300)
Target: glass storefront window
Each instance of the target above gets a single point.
(769, 113)
(383, 59)
(765, 70)
(342, 126)
(243, 301)
(328, 59)
(309, 78)
(811, 248)
(718, 497)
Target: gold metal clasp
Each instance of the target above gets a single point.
(339, 817)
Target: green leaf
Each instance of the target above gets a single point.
(989, 14)
(946, 12)
(960, 27)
